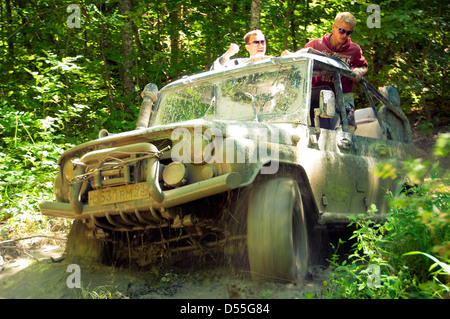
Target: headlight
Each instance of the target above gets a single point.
(68, 170)
(175, 174)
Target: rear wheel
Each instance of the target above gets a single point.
(277, 236)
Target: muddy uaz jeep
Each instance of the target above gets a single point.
(234, 158)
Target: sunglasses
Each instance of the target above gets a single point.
(262, 42)
(343, 31)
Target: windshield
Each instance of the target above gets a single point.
(267, 93)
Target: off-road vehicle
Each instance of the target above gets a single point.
(234, 158)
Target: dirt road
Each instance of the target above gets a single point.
(43, 273)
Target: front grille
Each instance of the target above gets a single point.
(122, 165)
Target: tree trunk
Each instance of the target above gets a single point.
(10, 23)
(127, 52)
(231, 20)
(255, 15)
(287, 23)
(305, 22)
(173, 30)
(293, 25)
(290, 25)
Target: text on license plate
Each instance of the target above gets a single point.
(118, 194)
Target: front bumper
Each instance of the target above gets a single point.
(171, 198)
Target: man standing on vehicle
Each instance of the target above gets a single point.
(338, 44)
(255, 44)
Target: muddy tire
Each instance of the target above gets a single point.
(277, 235)
(79, 245)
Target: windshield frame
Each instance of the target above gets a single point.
(298, 63)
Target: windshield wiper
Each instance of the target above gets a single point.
(213, 101)
(249, 95)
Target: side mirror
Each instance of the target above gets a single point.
(327, 104)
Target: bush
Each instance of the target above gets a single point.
(27, 169)
(407, 256)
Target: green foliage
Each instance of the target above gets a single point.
(353, 277)
(59, 86)
(28, 163)
(436, 288)
(442, 148)
(101, 292)
(74, 74)
(266, 294)
(417, 225)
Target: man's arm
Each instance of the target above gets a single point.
(359, 64)
(223, 60)
(359, 73)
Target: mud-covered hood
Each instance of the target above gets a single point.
(280, 133)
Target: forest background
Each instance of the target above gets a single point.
(70, 68)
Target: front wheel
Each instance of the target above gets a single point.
(79, 245)
(277, 236)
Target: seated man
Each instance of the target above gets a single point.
(255, 44)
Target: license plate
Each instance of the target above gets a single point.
(118, 194)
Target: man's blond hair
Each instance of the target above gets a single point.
(345, 17)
